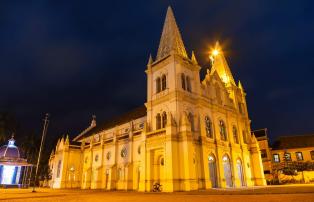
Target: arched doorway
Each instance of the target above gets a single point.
(212, 171)
(138, 177)
(227, 170)
(240, 172)
(107, 179)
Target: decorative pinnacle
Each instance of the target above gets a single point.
(93, 123)
(240, 85)
(150, 60)
(193, 58)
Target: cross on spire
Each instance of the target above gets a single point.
(171, 40)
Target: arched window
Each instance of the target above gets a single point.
(163, 82)
(158, 121)
(162, 161)
(223, 130)
(164, 119)
(208, 125)
(188, 84)
(158, 85)
(59, 169)
(244, 137)
(183, 81)
(191, 119)
(235, 135)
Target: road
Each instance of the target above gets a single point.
(264, 194)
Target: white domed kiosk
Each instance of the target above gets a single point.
(11, 164)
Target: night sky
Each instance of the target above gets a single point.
(77, 58)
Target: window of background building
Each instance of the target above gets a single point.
(312, 155)
(263, 153)
(287, 156)
(276, 158)
(266, 171)
(299, 156)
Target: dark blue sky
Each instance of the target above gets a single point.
(78, 58)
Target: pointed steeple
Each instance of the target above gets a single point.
(150, 60)
(193, 58)
(221, 66)
(171, 40)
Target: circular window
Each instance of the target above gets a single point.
(124, 152)
(96, 158)
(139, 150)
(108, 155)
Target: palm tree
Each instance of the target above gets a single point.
(8, 125)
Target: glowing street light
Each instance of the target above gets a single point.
(215, 52)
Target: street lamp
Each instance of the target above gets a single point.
(46, 122)
(213, 54)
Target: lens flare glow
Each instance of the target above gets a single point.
(215, 52)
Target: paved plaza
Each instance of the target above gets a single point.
(295, 193)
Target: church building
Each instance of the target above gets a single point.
(190, 134)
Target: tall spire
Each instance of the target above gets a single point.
(171, 40)
(221, 66)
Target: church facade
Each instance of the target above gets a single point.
(191, 134)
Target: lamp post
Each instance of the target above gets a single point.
(46, 122)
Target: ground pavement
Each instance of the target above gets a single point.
(295, 193)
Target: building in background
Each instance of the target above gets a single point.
(266, 152)
(288, 159)
(191, 134)
(298, 148)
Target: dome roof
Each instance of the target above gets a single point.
(10, 150)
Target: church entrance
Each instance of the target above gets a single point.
(240, 172)
(157, 168)
(212, 171)
(107, 179)
(138, 177)
(227, 171)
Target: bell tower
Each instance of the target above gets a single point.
(173, 88)
(171, 76)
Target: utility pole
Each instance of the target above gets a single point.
(43, 136)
